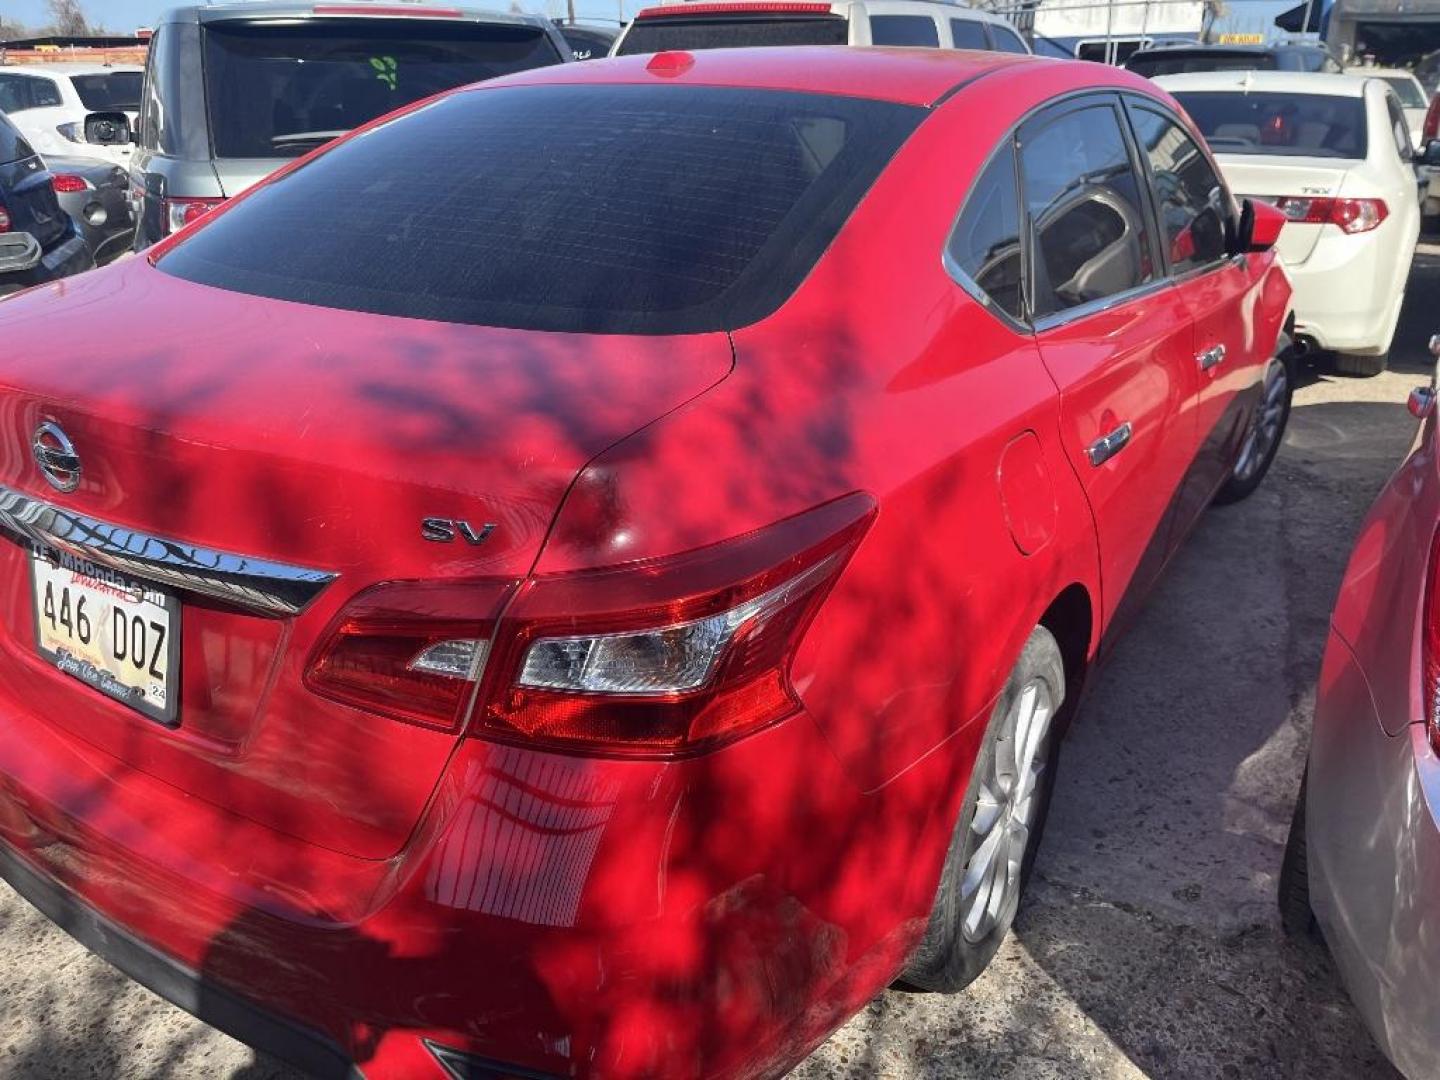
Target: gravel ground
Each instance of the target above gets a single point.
(1149, 945)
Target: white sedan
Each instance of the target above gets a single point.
(69, 108)
(1333, 152)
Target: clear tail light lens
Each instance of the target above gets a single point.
(410, 651)
(70, 184)
(1352, 215)
(670, 657)
(74, 132)
(177, 213)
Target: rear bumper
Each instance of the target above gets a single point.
(23, 263)
(1374, 859)
(1344, 298)
(568, 917)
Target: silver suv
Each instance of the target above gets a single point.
(233, 91)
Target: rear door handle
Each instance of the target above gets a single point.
(1211, 357)
(1107, 446)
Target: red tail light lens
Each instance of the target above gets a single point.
(4, 220)
(177, 213)
(670, 657)
(411, 651)
(1432, 119)
(1352, 215)
(70, 184)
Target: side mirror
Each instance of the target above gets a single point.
(1431, 154)
(1259, 227)
(108, 129)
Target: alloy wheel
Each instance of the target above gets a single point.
(1268, 423)
(1005, 811)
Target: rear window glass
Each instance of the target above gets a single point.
(666, 32)
(1283, 125)
(13, 146)
(599, 209)
(1153, 64)
(116, 92)
(279, 91)
(913, 30)
(1408, 91)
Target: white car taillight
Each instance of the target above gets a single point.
(1352, 215)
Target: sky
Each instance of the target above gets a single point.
(126, 15)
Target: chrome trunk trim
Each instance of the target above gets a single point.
(258, 585)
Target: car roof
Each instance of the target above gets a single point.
(1331, 84)
(68, 68)
(905, 76)
(290, 9)
(1381, 72)
(944, 8)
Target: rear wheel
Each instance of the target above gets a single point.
(1363, 366)
(1296, 915)
(995, 840)
(1267, 430)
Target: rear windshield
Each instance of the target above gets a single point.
(598, 209)
(116, 92)
(662, 33)
(13, 146)
(279, 91)
(1153, 64)
(1284, 125)
(1407, 90)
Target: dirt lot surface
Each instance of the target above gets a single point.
(1150, 944)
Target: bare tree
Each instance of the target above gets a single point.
(68, 18)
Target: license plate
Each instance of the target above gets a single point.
(112, 632)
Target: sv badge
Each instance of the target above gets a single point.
(445, 531)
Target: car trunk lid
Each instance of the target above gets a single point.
(1271, 179)
(29, 200)
(319, 447)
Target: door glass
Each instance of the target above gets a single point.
(904, 30)
(1083, 198)
(1193, 205)
(1008, 40)
(1399, 128)
(968, 34)
(985, 245)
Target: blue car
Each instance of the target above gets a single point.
(39, 241)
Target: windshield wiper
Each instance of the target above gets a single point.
(296, 138)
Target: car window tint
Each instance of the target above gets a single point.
(985, 245)
(12, 93)
(118, 91)
(915, 30)
(1407, 90)
(1193, 205)
(1399, 128)
(1152, 64)
(600, 209)
(21, 92)
(44, 94)
(1006, 40)
(689, 33)
(1083, 200)
(1282, 125)
(968, 34)
(278, 90)
(13, 146)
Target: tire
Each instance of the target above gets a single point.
(1296, 915)
(1267, 430)
(963, 935)
(1362, 366)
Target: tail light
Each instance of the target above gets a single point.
(651, 659)
(1352, 215)
(74, 132)
(4, 219)
(1432, 119)
(70, 184)
(1430, 647)
(177, 213)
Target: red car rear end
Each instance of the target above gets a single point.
(524, 592)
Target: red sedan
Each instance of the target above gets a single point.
(588, 577)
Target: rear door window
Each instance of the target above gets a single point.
(21, 92)
(968, 34)
(985, 246)
(1194, 208)
(1282, 125)
(662, 33)
(1086, 213)
(1007, 40)
(911, 30)
(602, 209)
(277, 91)
(115, 92)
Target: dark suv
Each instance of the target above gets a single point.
(1180, 59)
(38, 240)
(233, 91)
